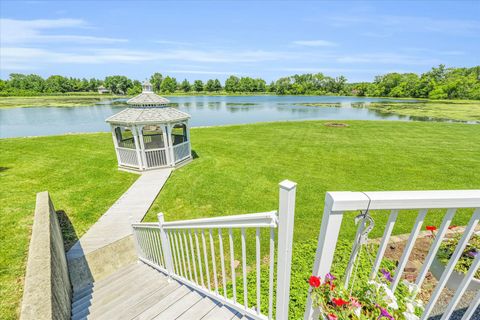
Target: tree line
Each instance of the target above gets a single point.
(438, 83)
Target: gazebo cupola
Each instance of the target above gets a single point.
(149, 134)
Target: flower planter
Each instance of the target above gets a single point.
(437, 268)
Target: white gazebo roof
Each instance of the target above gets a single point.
(148, 116)
(148, 97)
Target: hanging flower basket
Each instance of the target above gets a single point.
(371, 300)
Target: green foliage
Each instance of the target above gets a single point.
(168, 85)
(156, 81)
(198, 85)
(466, 259)
(117, 84)
(438, 83)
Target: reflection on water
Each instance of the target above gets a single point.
(205, 111)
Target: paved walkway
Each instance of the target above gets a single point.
(115, 223)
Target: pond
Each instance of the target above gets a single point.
(205, 111)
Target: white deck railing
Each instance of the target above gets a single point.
(155, 158)
(337, 203)
(193, 252)
(181, 151)
(127, 157)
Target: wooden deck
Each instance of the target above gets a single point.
(141, 292)
(115, 224)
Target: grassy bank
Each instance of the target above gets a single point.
(462, 110)
(55, 100)
(237, 171)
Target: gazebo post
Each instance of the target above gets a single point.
(187, 128)
(170, 144)
(137, 147)
(165, 144)
(142, 146)
(115, 143)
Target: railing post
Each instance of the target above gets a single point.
(286, 215)
(167, 253)
(327, 241)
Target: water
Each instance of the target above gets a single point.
(205, 111)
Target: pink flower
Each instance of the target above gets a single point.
(314, 281)
(355, 303)
(330, 277)
(331, 316)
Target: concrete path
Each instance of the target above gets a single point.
(115, 223)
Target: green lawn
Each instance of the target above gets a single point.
(80, 173)
(237, 171)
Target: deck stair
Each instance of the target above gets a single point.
(138, 291)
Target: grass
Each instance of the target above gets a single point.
(80, 173)
(237, 171)
(55, 100)
(440, 110)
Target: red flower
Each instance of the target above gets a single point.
(339, 302)
(314, 281)
(331, 316)
(431, 228)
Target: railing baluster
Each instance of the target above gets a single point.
(174, 251)
(180, 260)
(214, 264)
(205, 259)
(462, 243)
(193, 256)
(244, 270)
(232, 265)
(187, 253)
(183, 254)
(154, 246)
(435, 246)
(257, 250)
(462, 287)
(383, 245)
(271, 273)
(408, 249)
(222, 262)
(199, 259)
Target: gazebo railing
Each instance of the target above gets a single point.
(201, 254)
(127, 157)
(181, 151)
(156, 158)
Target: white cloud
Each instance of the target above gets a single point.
(314, 43)
(33, 31)
(203, 72)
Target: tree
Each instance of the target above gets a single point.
(185, 86)
(198, 85)
(118, 84)
(231, 84)
(217, 86)
(156, 81)
(57, 83)
(210, 86)
(169, 85)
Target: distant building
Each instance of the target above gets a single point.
(103, 90)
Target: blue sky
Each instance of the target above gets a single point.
(207, 39)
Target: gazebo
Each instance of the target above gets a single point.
(149, 134)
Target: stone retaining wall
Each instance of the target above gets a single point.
(47, 291)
